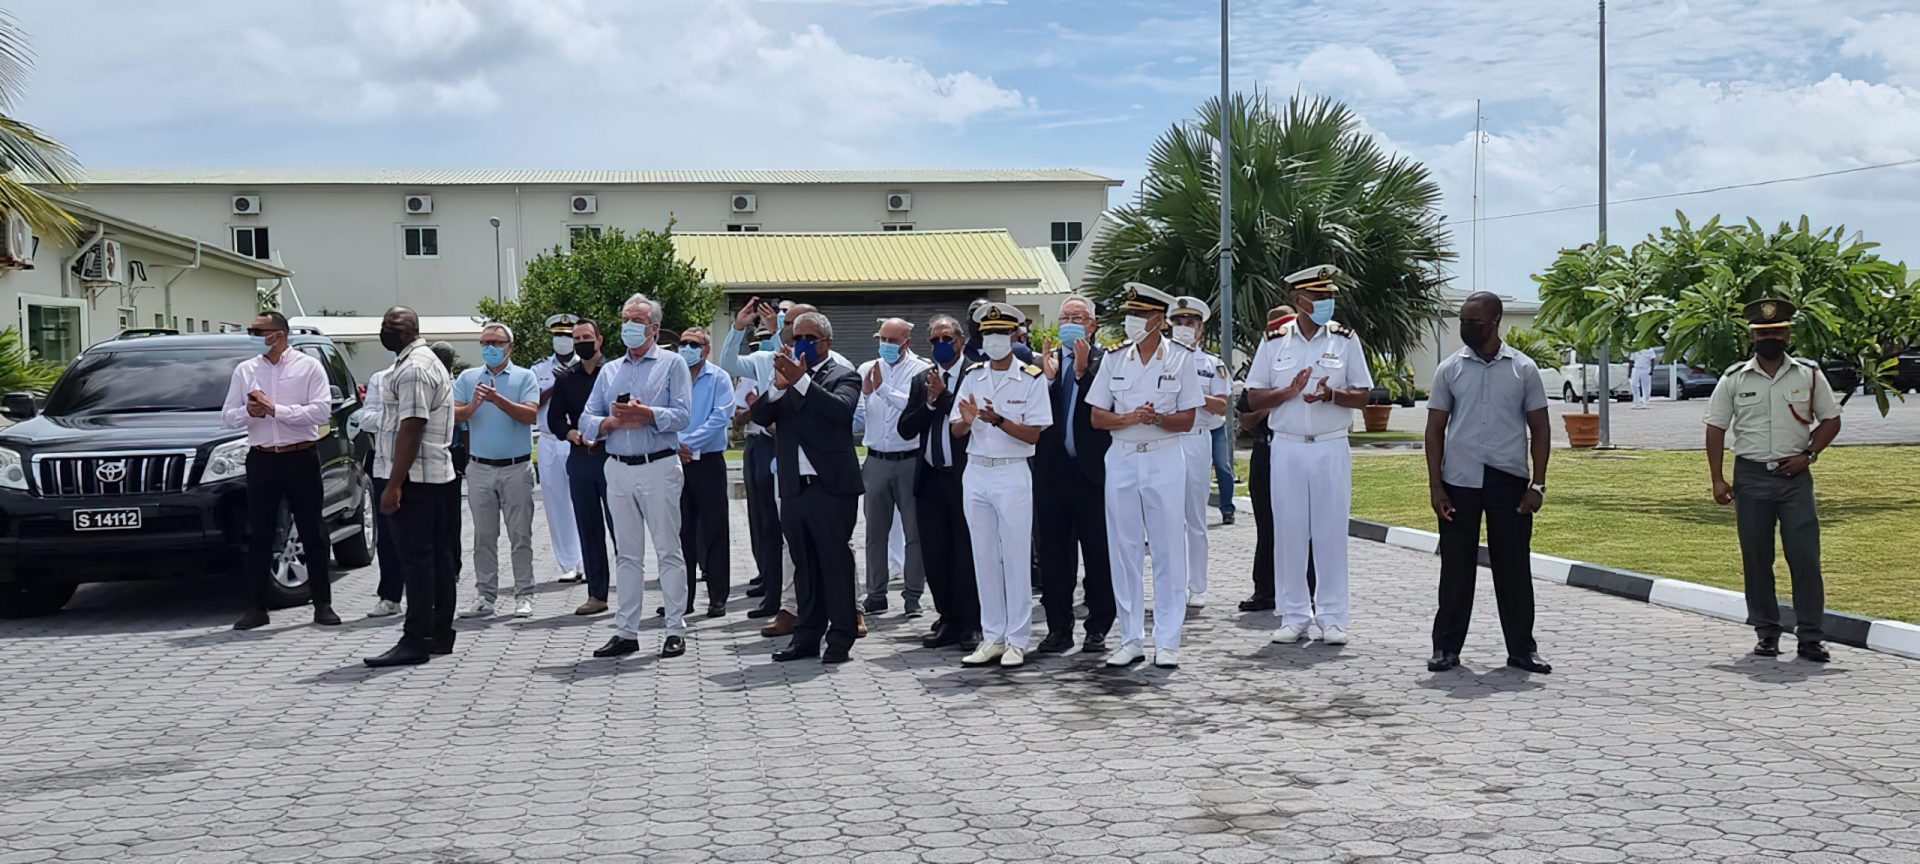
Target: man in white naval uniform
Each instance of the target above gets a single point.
(1312, 376)
(556, 494)
(1003, 406)
(1146, 393)
(1189, 317)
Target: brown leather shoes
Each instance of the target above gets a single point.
(593, 606)
(859, 625)
(781, 625)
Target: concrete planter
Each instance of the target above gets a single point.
(1583, 430)
(1376, 417)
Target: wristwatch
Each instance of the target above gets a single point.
(1811, 456)
(996, 421)
(1538, 487)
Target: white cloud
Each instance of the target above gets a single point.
(1352, 71)
(1892, 39)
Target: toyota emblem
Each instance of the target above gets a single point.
(111, 472)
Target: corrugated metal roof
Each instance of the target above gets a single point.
(1053, 280)
(756, 261)
(323, 177)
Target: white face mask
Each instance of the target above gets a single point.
(1186, 334)
(563, 344)
(1136, 328)
(997, 345)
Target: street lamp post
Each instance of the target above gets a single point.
(1606, 346)
(499, 291)
(1226, 219)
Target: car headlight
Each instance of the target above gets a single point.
(13, 470)
(227, 461)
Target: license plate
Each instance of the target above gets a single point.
(116, 519)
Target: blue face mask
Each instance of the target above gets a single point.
(889, 352)
(780, 320)
(493, 355)
(691, 355)
(944, 352)
(260, 344)
(1071, 333)
(771, 343)
(1322, 311)
(634, 334)
(806, 348)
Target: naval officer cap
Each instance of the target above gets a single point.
(1143, 299)
(1318, 278)
(1770, 314)
(1190, 306)
(562, 324)
(998, 317)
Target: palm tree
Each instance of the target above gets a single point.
(1309, 188)
(28, 155)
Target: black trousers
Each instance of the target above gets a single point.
(291, 478)
(946, 548)
(1509, 552)
(427, 526)
(587, 486)
(393, 584)
(1260, 489)
(1071, 525)
(763, 518)
(1761, 502)
(819, 529)
(703, 526)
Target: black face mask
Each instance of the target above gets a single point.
(585, 350)
(1473, 335)
(1770, 349)
(393, 340)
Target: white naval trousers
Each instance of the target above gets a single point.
(556, 499)
(1641, 385)
(1198, 449)
(1146, 498)
(999, 510)
(645, 502)
(1312, 490)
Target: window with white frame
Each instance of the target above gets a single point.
(896, 226)
(251, 241)
(54, 327)
(421, 241)
(1066, 238)
(743, 227)
(576, 233)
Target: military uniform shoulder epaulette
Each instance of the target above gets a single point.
(979, 364)
(1734, 368)
(1277, 332)
(1031, 370)
(1339, 329)
(1806, 362)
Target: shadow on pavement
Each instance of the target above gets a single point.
(1464, 683)
(1777, 670)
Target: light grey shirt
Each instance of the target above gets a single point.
(1486, 403)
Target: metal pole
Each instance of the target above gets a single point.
(1606, 347)
(499, 293)
(1226, 218)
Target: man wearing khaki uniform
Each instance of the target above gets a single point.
(1782, 413)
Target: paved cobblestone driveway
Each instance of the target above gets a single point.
(137, 727)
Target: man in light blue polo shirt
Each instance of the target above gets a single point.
(499, 401)
(703, 462)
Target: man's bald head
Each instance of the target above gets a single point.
(398, 328)
(1483, 305)
(794, 311)
(899, 331)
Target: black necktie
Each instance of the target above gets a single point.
(938, 434)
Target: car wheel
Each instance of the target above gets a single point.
(1684, 396)
(26, 599)
(287, 569)
(357, 550)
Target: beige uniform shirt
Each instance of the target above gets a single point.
(1771, 418)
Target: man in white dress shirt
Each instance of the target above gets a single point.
(1189, 317)
(889, 470)
(281, 399)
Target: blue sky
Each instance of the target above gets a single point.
(1703, 92)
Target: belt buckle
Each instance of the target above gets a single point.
(1309, 438)
(1141, 447)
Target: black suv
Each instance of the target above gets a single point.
(127, 473)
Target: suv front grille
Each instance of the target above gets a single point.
(97, 474)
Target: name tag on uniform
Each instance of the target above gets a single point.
(1166, 378)
(1749, 394)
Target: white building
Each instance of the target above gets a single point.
(362, 241)
(143, 277)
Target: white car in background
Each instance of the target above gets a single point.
(1561, 383)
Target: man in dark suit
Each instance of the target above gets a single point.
(946, 547)
(1070, 473)
(810, 409)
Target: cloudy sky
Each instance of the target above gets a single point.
(1704, 93)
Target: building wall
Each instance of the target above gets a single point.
(207, 295)
(344, 243)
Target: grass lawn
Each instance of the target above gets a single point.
(1652, 512)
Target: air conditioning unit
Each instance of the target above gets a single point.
(17, 251)
(103, 264)
(248, 204)
(745, 202)
(416, 204)
(899, 202)
(582, 205)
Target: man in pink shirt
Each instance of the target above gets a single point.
(281, 399)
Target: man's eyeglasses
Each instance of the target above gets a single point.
(689, 343)
(941, 340)
(494, 343)
(255, 331)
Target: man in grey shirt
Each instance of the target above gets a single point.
(1487, 414)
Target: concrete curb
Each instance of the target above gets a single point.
(1874, 634)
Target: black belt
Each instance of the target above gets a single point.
(502, 463)
(892, 457)
(284, 448)
(642, 460)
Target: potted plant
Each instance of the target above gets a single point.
(1392, 383)
(1585, 299)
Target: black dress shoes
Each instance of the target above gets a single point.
(1055, 643)
(794, 652)
(617, 646)
(874, 605)
(674, 646)
(1094, 644)
(250, 619)
(1530, 663)
(1441, 661)
(1814, 652)
(762, 612)
(1768, 646)
(1226, 518)
(717, 610)
(404, 654)
(970, 640)
(1256, 603)
(836, 655)
(323, 615)
(756, 590)
(941, 637)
